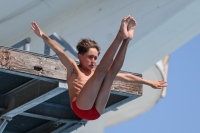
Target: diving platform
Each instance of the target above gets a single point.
(34, 94)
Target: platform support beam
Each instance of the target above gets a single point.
(39, 91)
(3, 123)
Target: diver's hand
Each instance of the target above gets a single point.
(36, 29)
(158, 84)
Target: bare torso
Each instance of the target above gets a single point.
(76, 80)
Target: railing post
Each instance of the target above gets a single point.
(64, 43)
(46, 49)
(27, 45)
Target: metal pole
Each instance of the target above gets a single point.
(3, 123)
(46, 49)
(23, 43)
(27, 45)
(64, 43)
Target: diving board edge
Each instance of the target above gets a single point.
(28, 64)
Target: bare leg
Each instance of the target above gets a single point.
(90, 90)
(104, 92)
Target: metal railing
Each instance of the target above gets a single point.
(62, 42)
(25, 43)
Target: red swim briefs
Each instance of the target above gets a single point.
(90, 114)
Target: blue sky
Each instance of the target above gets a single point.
(179, 111)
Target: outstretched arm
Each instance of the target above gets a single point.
(64, 58)
(126, 77)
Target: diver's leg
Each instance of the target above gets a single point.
(104, 91)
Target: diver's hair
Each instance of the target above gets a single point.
(85, 44)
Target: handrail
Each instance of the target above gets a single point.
(25, 43)
(62, 42)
